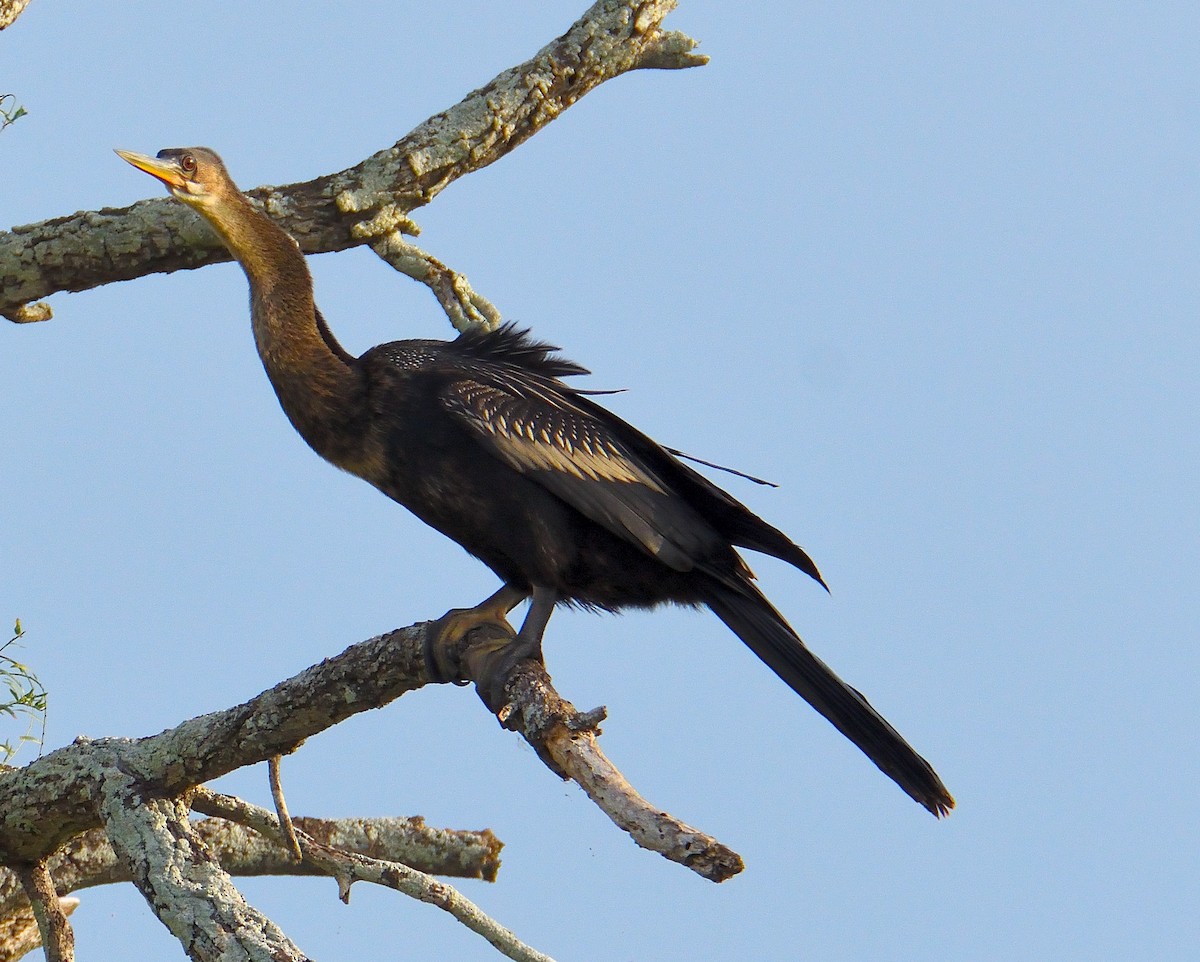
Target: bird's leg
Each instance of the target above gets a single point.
(500, 660)
(529, 638)
(444, 636)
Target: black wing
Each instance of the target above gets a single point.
(537, 427)
(505, 387)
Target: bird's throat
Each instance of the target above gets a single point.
(319, 385)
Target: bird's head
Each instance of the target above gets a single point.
(194, 175)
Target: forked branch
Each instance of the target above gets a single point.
(363, 203)
(142, 786)
(350, 867)
(52, 799)
(88, 860)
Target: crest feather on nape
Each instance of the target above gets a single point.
(509, 344)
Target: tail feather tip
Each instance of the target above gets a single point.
(939, 805)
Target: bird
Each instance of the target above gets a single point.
(481, 438)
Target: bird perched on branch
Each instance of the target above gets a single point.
(481, 438)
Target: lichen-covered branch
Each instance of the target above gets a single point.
(465, 308)
(235, 838)
(351, 867)
(88, 859)
(53, 798)
(183, 884)
(136, 789)
(579, 755)
(365, 202)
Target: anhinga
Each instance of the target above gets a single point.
(563, 500)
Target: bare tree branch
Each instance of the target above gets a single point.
(349, 867)
(244, 851)
(10, 10)
(171, 861)
(360, 204)
(52, 798)
(88, 859)
(117, 807)
(465, 308)
(565, 740)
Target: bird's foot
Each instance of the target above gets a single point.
(445, 637)
(493, 664)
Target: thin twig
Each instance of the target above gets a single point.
(285, 820)
(56, 933)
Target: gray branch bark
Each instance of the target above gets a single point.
(55, 797)
(351, 867)
(184, 885)
(94, 783)
(88, 859)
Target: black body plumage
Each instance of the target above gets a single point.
(549, 489)
(482, 439)
(545, 486)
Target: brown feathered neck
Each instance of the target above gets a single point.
(318, 383)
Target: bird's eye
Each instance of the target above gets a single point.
(188, 163)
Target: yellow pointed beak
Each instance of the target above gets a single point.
(165, 170)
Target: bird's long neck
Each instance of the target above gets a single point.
(319, 384)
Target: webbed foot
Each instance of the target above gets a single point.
(444, 637)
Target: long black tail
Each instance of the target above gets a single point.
(753, 619)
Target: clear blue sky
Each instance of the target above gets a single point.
(931, 267)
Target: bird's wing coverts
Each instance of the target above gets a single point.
(504, 387)
(535, 427)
